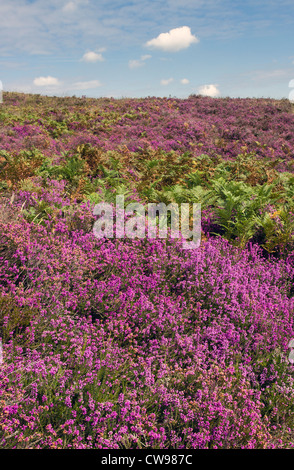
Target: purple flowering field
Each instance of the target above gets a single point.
(139, 343)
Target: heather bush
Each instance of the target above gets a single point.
(139, 343)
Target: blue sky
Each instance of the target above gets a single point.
(147, 48)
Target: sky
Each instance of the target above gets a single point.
(136, 48)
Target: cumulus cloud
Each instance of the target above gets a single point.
(209, 90)
(173, 41)
(167, 81)
(133, 64)
(92, 57)
(86, 85)
(46, 81)
(185, 81)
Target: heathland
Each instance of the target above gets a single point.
(138, 343)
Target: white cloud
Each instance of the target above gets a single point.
(86, 85)
(173, 41)
(146, 56)
(133, 64)
(166, 82)
(209, 90)
(69, 7)
(185, 81)
(51, 85)
(72, 5)
(61, 26)
(291, 83)
(46, 81)
(92, 57)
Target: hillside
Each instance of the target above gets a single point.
(138, 343)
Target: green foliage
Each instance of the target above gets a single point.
(71, 170)
(17, 167)
(56, 129)
(14, 318)
(37, 214)
(194, 179)
(277, 230)
(244, 208)
(248, 168)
